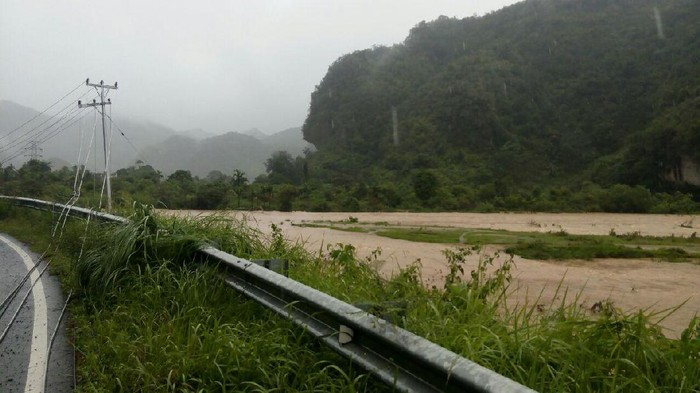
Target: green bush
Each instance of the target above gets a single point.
(622, 198)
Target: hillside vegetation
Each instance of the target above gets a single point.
(542, 106)
(542, 95)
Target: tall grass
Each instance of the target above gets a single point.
(151, 318)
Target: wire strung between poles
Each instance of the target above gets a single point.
(42, 112)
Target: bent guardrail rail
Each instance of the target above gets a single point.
(402, 359)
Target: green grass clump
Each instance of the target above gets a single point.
(156, 319)
(181, 329)
(591, 250)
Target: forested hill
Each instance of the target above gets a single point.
(541, 92)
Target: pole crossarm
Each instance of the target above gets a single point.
(94, 103)
(101, 84)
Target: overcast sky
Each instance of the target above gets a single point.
(211, 64)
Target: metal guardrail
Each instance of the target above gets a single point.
(402, 359)
(59, 208)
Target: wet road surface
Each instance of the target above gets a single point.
(29, 313)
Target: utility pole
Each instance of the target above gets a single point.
(101, 86)
(34, 150)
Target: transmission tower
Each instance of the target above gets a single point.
(101, 88)
(33, 150)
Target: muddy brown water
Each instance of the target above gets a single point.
(631, 284)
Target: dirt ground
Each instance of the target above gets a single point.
(629, 283)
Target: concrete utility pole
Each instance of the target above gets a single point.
(102, 103)
(34, 150)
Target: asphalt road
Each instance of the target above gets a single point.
(28, 321)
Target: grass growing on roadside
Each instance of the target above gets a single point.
(148, 317)
(167, 323)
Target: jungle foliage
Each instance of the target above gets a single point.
(540, 95)
(542, 106)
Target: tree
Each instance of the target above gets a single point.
(181, 176)
(216, 176)
(425, 185)
(34, 176)
(285, 196)
(239, 178)
(239, 181)
(282, 168)
(211, 196)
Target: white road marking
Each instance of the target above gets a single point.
(37, 357)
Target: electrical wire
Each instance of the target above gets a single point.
(126, 138)
(122, 133)
(67, 120)
(13, 141)
(47, 133)
(53, 337)
(24, 136)
(24, 300)
(63, 128)
(76, 188)
(42, 112)
(68, 123)
(14, 149)
(80, 152)
(108, 150)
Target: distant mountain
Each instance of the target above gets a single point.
(255, 133)
(62, 138)
(227, 152)
(196, 133)
(138, 139)
(291, 140)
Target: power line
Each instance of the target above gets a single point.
(42, 112)
(68, 123)
(64, 127)
(65, 108)
(32, 134)
(122, 133)
(16, 145)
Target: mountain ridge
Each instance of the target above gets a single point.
(541, 92)
(165, 149)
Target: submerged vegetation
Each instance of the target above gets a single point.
(538, 245)
(149, 316)
(560, 245)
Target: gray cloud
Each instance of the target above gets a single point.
(217, 65)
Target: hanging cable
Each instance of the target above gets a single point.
(76, 188)
(69, 105)
(68, 123)
(23, 137)
(42, 112)
(80, 152)
(53, 337)
(24, 300)
(15, 148)
(122, 133)
(108, 149)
